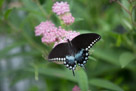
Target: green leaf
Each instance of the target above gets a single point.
(6, 50)
(6, 14)
(118, 42)
(29, 4)
(126, 58)
(107, 55)
(82, 79)
(127, 23)
(1, 3)
(92, 58)
(84, 31)
(125, 4)
(134, 14)
(80, 75)
(105, 84)
(54, 72)
(79, 19)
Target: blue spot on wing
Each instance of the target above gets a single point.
(70, 59)
(79, 55)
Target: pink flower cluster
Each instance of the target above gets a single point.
(63, 11)
(64, 35)
(43, 27)
(68, 18)
(52, 34)
(60, 8)
(76, 88)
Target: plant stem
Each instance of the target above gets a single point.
(41, 8)
(124, 8)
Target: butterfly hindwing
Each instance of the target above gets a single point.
(84, 42)
(84, 59)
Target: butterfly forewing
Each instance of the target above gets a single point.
(59, 52)
(85, 41)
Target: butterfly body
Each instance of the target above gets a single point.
(75, 51)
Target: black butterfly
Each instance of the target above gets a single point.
(75, 51)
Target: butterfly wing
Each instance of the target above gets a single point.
(62, 54)
(84, 42)
(59, 53)
(80, 45)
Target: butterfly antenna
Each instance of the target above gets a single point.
(73, 72)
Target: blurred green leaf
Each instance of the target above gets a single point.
(33, 88)
(65, 74)
(92, 58)
(105, 84)
(6, 14)
(1, 3)
(127, 23)
(125, 4)
(5, 50)
(90, 16)
(82, 79)
(79, 19)
(29, 4)
(118, 42)
(54, 72)
(126, 58)
(107, 55)
(84, 31)
(134, 14)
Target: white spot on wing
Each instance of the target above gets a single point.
(84, 62)
(86, 58)
(86, 54)
(67, 65)
(89, 47)
(64, 62)
(82, 65)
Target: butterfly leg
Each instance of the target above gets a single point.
(73, 72)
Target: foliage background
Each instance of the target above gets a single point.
(110, 67)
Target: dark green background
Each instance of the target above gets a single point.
(111, 67)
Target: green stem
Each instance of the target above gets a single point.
(130, 13)
(133, 22)
(124, 8)
(41, 8)
(130, 43)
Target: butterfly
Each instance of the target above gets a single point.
(75, 51)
